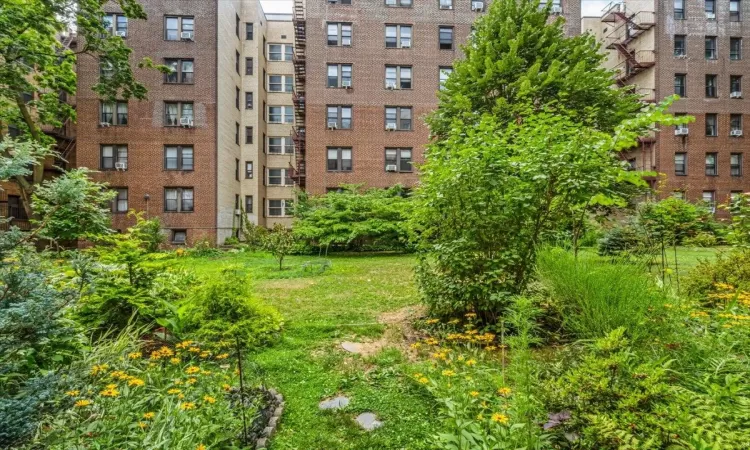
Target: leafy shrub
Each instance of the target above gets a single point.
(148, 231)
(279, 242)
(597, 297)
(204, 247)
(231, 240)
(254, 235)
(618, 239)
(732, 269)
(701, 239)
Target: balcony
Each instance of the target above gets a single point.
(631, 26)
(635, 63)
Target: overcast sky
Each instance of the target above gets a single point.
(589, 7)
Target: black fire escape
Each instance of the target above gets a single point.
(298, 96)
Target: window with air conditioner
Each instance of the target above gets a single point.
(398, 118)
(398, 160)
(178, 114)
(339, 76)
(116, 24)
(398, 77)
(113, 157)
(339, 159)
(113, 113)
(735, 125)
(178, 157)
(179, 28)
(735, 86)
(339, 117)
(710, 7)
(398, 36)
(178, 199)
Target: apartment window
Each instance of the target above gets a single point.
(680, 195)
(178, 199)
(339, 117)
(280, 83)
(116, 24)
(237, 133)
(735, 123)
(711, 52)
(444, 73)
(735, 164)
(398, 160)
(237, 177)
(280, 145)
(340, 34)
(249, 170)
(282, 208)
(248, 135)
(113, 157)
(120, 202)
(680, 47)
(734, 10)
(279, 177)
(679, 9)
(177, 157)
(445, 4)
(339, 159)
(711, 90)
(445, 38)
(712, 125)
(178, 113)
(280, 52)
(340, 2)
(248, 100)
(398, 3)
(15, 208)
(735, 48)
(248, 204)
(180, 71)
(680, 84)
(339, 75)
(735, 85)
(680, 164)
(248, 66)
(398, 77)
(280, 114)
(237, 97)
(248, 31)
(179, 28)
(711, 164)
(709, 197)
(237, 61)
(398, 117)
(179, 237)
(114, 113)
(710, 6)
(397, 36)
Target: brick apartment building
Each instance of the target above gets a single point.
(693, 49)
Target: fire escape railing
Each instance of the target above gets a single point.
(298, 96)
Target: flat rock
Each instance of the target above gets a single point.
(352, 347)
(334, 403)
(369, 421)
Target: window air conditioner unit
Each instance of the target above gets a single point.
(237, 212)
(710, 15)
(444, 6)
(390, 85)
(477, 6)
(735, 94)
(121, 165)
(346, 42)
(391, 168)
(104, 124)
(332, 125)
(121, 33)
(556, 9)
(681, 131)
(186, 122)
(683, 56)
(346, 84)
(186, 35)
(406, 44)
(390, 127)
(736, 133)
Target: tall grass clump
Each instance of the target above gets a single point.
(595, 296)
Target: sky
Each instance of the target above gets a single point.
(588, 7)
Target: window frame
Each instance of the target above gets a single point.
(249, 170)
(735, 168)
(735, 54)
(285, 145)
(339, 117)
(181, 27)
(399, 79)
(710, 10)
(340, 78)
(399, 118)
(732, 122)
(114, 24)
(286, 52)
(399, 3)
(445, 28)
(180, 112)
(715, 119)
(441, 71)
(286, 83)
(249, 66)
(400, 39)
(115, 203)
(339, 161)
(115, 158)
(249, 31)
(679, 12)
(735, 81)
(286, 114)
(712, 86)
(712, 168)
(285, 177)
(284, 206)
(682, 77)
(683, 172)
(249, 100)
(179, 72)
(680, 50)
(180, 158)
(180, 200)
(712, 202)
(249, 205)
(399, 159)
(117, 119)
(249, 134)
(736, 15)
(340, 34)
(711, 51)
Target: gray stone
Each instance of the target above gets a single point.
(261, 444)
(272, 392)
(334, 403)
(278, 411)
(352, 347)
(369, 421)
(279, 398)
(272, 423)
(267, 431)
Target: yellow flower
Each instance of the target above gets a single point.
(135, 355)
(449, 373)
(175, 360)
(423, 380)
(192, 369)
(226, 387)
(470, 315)
(73, 393)
(173, 391)
(417, 375)
(200, 446)
(136, 382)
(194, 350)
(222, 356)
(431, 341)
(142, 425)
(178, 382)
(110, 393)
(490, 348)
(149, 415)
(432, 321)
(82, 403)
(209, 399)
(205, 354)
(504, 391)
(453, 322)
(471, 362)
(416, 345)
(180, 396)
(166, 351)
(460, 357)
(205, 372)
(111, 386)
(184, 344)
(187, 405)
(97, 369)
(474, 393)
(192, 380)
(500, 418)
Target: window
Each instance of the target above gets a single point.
(115, 113)
(248, 31)
(237, 133)
(179, 28)
(339, 117)
(178, 199)
(398, 160)
(280, 145)
(710, 6)
(679, 9)
(237, 97)
(237, 177)
(709, 197)
(181, 71)
(680, 47)
(711, 52)
(680, 195)
(445, 38)
(248, 66)
(680, 85)
(735, 85)
(339, 159)
(680, 164)
(113, 157)
(248, 100)
(280, 114)
(249, 170)
(397, 36)
(712, 125)
(248, 135)
(444, 73)
(340, 2)
(178, 113)
(735, 122)
(445, 4)
(711, 90)
(116, 24)
(398, 117)
(340, 34)
(248, 204)
(120, 202)
(16, 209)
(179, 237)
(735, 164)
(280, 52)
(177, 157)
(280, 83)
(339, 75)
(281, 208)
(106, 70)
(398, 3)
(734, 10)
(711, 169)
(735, 48)
(237, 61)
(398, 77)
(279, 177)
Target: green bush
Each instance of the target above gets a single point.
(618, 239)
(596, 297)
(701, 239)
(732, 268)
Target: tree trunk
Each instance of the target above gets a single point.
(27, 189)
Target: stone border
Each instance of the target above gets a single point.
(273, 422)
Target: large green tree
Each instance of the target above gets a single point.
(36, 68)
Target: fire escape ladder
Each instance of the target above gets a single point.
(298, 96)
